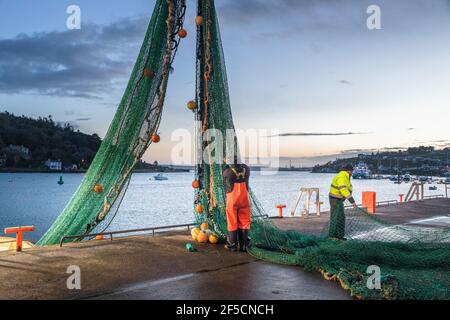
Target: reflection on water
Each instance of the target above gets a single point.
(37, 199)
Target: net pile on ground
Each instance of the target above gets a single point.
(414, 262)
(131, 132)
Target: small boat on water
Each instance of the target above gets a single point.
(160, 177)
(407, 177)
(361, 171)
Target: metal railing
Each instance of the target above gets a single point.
(438, 196)
(387, 203)
(112, 233)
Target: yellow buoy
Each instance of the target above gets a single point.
(194, 233)
(192, 105)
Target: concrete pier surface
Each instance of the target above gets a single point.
(146, 267)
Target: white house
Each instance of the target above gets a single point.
(55, 165)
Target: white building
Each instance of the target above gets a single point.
(55, 165)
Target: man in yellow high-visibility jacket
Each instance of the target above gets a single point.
(341, 190)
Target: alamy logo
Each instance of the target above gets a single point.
(374, 20)
(374, 280)
(73, 22)
(74, 280)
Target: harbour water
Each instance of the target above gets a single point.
(37, 199)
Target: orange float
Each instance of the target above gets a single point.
(213, 239)
(182, 33)
(204, 226)
(98, 188)
(195, 184)
(149, 73)
(156, 138)
(199, 209)
(202, 238)
(198, 20)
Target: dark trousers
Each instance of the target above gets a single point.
(337, 219)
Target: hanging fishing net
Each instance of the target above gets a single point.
(414, 261)
(132, 130)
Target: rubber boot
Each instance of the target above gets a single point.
(244, 240)
(232, 241)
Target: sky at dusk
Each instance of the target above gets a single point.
(308, 68)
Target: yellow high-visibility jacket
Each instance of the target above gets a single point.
(341, 187)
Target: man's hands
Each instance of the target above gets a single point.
(354, 206)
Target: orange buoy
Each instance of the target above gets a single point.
(98, 188)
(213, 239)
(198, 20)
(199, 209)
(149, 73)
(99, 237)
(204, 226)
(195, 184)
(156, 138)
(182, 33)
(201, 237)
(192, 105)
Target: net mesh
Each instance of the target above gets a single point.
(131, 131)
(414, 261)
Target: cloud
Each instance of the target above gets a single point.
(346, 82)
(83, 119)
(318, 134)
(84, 63)
(321, 13)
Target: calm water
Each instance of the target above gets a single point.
(36, 199)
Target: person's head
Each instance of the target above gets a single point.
(348, 168)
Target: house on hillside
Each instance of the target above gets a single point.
(21, 151)
(54, 165)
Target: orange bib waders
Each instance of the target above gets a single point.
(238, 208)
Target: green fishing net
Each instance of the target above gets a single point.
(414, 262)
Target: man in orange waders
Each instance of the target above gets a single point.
(236, 177)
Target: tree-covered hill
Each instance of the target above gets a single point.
(27, 143)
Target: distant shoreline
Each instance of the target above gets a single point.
(18, 170)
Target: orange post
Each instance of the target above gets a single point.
(401, 197)
(280, 209)
(369, 201)
(19, 234)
